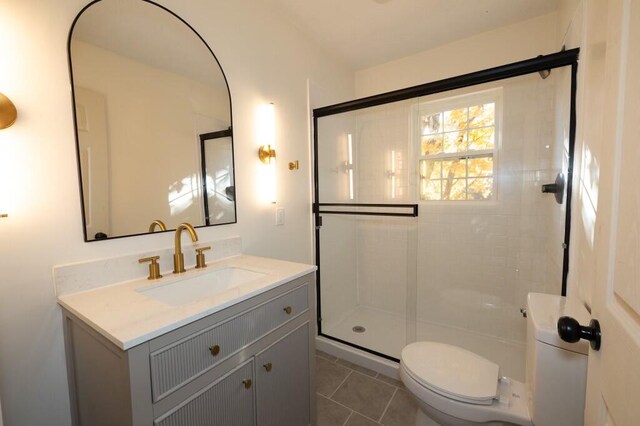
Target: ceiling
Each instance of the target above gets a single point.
(364, 33)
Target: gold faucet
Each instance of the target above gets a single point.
(160, 224)
(178, 257)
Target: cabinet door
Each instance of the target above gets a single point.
(228, 401)
(282, 376)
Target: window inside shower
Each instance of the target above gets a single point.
(431, 223)
(458, 139)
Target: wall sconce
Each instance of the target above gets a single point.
(8, 112)
(267, 151)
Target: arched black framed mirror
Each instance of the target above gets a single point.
(145, 87)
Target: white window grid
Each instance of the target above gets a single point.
(447, 104)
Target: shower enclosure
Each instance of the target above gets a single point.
(439, 207)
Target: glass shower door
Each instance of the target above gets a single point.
(367, 240)
(368, 278)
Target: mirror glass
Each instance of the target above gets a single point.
(153, 122)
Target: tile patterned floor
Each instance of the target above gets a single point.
(350, 395)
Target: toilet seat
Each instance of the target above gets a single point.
(445, 410)
(452, 372)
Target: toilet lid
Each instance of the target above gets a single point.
(452, 371)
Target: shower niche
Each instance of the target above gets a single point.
(431, 223)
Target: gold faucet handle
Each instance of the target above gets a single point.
(200, 259)
(154, 267)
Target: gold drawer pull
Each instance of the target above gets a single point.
(268, 366)
(288, 310)
(215, 350)
(247, 383)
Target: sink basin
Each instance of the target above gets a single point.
(199, 287)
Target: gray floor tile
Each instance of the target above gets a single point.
(358, 368)
(327, 356)
(364, 394)
(360, 420)
(329, 376)
(329, 413)
(393, 382)
(401, 411)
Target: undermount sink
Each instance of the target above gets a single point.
(199, 287)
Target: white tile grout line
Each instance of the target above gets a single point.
(347, 421)
(352, 411)
(388, 404)
(341, 383)
(396, 388)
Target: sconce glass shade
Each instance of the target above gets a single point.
(8, 112)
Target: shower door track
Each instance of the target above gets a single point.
(515, 69)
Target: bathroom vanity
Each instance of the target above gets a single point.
(239, 356)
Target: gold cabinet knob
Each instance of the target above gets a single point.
(247, 383)
(288, 310)
(268, 366)
(200, 260)
(215, 350)
(154, 268)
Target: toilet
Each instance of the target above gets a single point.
(454, 386)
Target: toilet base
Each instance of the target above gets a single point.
(422, 419)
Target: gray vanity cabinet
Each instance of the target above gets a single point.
(249, 364)
(281, 370)
(228, 401)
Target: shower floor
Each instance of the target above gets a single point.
(386, 333)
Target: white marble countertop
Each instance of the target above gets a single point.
(128, 317)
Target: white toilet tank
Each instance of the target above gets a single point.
(556, 370)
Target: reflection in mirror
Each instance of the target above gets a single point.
(146, 87)
(217, 177)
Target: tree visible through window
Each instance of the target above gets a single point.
(457, 152)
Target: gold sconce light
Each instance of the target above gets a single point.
(266, 154)
(294, 165)
(8, 112)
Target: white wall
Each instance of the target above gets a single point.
(264, 60)
(583, 25)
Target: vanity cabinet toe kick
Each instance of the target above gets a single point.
(249, 364)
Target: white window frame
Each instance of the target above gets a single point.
(447, 104)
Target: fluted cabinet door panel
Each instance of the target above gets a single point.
(283, 391)
(175, 365)
(227, 402)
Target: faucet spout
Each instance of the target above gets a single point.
(178, 257)
(160, 224)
